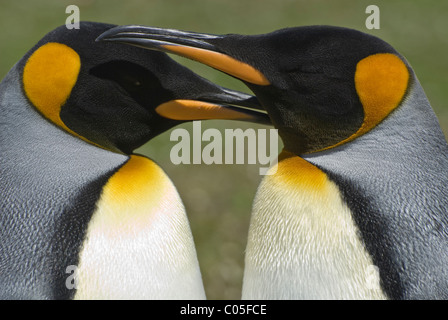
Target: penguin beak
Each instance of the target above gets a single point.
(226, 104)
(195, 46)
(222, 104)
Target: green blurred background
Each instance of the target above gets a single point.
(218, 197)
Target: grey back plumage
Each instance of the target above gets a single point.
(395, 181)
(50, 182)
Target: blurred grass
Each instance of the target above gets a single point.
(218, 197)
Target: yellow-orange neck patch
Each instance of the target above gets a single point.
(140, 184)
(381, 81)
(49, 77)
(296, 172)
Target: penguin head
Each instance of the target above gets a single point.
(322, 86)
(119, 97)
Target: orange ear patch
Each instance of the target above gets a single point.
(49, 77)
(381, 81)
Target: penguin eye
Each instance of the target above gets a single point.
(138, 82)
(128, 75)
(303, 68)
(130, 82)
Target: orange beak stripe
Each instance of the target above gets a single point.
(197, 110)
(221, 62)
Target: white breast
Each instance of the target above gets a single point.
(139, 244)
(303, 243)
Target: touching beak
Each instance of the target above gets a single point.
(195, 46)
(226, 104)
(223, 104)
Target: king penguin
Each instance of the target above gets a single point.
(81, 216)
(357, 206)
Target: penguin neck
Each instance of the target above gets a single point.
(408, 145)
(411, 129)
(393, 179)
(408, 142)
